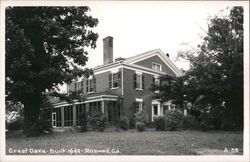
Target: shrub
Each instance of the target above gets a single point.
(204, 126)
(84, 122)
(159, 123)
(204, 121)
(98, 122)
(132, 123)
(228, 125)
(15, 125)
(140, 120)
(140, 126)
(173, 119)
(124, 123)
(141, 116)
(44, 122)
(187, 121)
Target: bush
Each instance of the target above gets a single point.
(228, 125)
(84, 122)
(132, 123)
(140, 120)
(140, 126)
(187, 121)
(204, 126)
(98, 122)
(15, 125)
(159, 123)
(141, 116)
(124, 123)
(173, 119)
(45, 123)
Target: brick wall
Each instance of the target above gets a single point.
(131, 93)
(148, 63)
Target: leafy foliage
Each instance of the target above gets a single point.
(187, 121)
(159, 123)
(215, 76)
(140, 120)
(173, 119)
(98, 122)
(140, 126)
(45, 47)
(124, 123)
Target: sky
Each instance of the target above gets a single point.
(138, 27)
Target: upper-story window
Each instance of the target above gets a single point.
(156, 66)
(90, 85)
(138, 105)
(156, 83)
(138, 81)
(115, 79)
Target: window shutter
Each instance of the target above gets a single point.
(153, 82)
(94, 86)
(110, 80)
(75, 86)
(87, 86)
(134, 80)
(119, 78)
(82, 83)
(143, 85)
(134, 108)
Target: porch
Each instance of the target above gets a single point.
(70, 115)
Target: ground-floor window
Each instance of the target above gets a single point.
(155, 109)
(56, 117)
(80, 108)
(68, 116)
(94, 107)
(113, 110)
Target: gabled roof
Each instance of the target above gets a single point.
(140, 57)
(155, 52)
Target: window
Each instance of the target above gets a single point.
(75, 86)
(57, 117)
(155, 109)
(115, 79)
(138, 104)
(156, 83)
(68, 116)
(90, 85)
(138, 81)
(80, 109)
(156, 66)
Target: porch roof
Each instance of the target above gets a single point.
(92, 97)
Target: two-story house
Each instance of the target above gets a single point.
(117, 88)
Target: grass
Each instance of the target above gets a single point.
(128, 143)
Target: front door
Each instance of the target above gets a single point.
(54, 119)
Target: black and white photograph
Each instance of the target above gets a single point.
(124, 81)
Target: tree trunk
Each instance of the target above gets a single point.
(31, 115)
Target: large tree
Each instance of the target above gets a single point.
(45, 47)
(216, 73)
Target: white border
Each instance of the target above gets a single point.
(4, 157)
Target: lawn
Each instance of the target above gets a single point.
(128, 143)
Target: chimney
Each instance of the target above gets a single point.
(107, 50)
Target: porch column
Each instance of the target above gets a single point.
(102, 105)
(62, 115)
(87, 107)
(159, 109)
(74, 115)
(106, 107)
